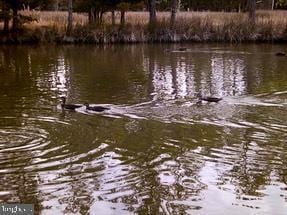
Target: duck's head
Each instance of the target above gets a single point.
(86, 104)
(199, 95)
(63, 99)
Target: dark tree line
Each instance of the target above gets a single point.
(96, 8)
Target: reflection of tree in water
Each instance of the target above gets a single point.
(228, 76)
(20, 187)
(254, 164)
(29, 80)
(104, 74)
(157, 172)
(154, 167)
(180, 75)
(161, 162)
(19, 184)
(147, 165)
(249, 173)
(78, 195)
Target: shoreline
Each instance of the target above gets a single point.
(34, 38)
(190, 27)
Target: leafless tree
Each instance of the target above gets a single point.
(70, 17)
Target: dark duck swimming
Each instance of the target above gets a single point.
(96, 108)
(68, 106)
(280, 54)
(208, 99)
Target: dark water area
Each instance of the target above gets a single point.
(156, 151)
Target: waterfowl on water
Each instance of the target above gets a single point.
(182, 49)
(209, 99)
(68, 106)
(96, 108)
(281, 54)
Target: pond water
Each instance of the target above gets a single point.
(156, 151)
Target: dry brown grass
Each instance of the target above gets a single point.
(49, 19)
(141, 18)
(190, 26)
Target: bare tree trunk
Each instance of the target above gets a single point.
(113, 18)
(272, 6)
(92, 16)
(70, 17)
(179, 5)
(97, 17)
(123, 17)
(6, 19)
(6, 25)
(152, 12)
(56, 5)
(101, 17)
(189, 5)
(174, 6)
(15, 22)
(251, 10)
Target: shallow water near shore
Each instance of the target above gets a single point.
(156, 151)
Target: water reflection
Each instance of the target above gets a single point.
(163, 153)
(177, 76)
(59, 77)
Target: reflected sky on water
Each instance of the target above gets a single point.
(156, 151)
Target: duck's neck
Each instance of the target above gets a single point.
(63, 102)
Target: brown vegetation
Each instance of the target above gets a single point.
(188, 27)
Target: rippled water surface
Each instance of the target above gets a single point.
(156, 151)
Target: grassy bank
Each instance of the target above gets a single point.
(270, 26)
